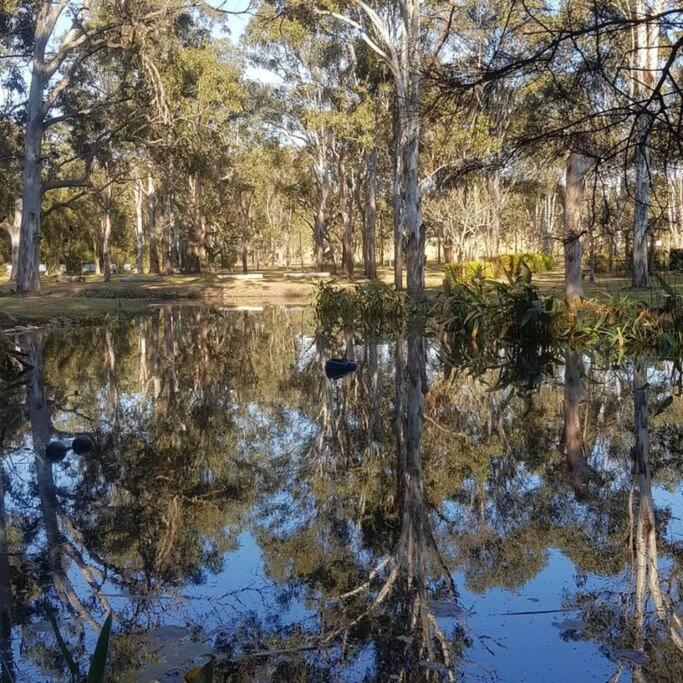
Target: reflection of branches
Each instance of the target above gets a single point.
(406, 567)
(6, 657)
(58, 546)
(646, 557)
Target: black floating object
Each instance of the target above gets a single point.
(56, 451)
(336, 368)
(82, 444)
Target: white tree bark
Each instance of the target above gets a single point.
(398, 44)
(38, 105)
(578, 167)
(646, 66)
(28, 275)
(106, 226)
(13, 229)
(139, 225)
(152, 236)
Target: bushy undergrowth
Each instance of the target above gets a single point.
(485, 314)
(371, 309)
(483, 310)
(510, 266)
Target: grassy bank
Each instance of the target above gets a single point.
(95, 299)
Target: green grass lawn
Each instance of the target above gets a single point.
(97, 299)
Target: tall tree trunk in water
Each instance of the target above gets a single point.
(409, 96)
(14, 231)
(28, 266)
(578, 166)
(646, 66)
(580, 473)
(106, 225)
(139, 225)
(152, 238)
(41, 429)
(397, 204)
(647, 569)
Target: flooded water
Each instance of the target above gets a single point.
(513, 519)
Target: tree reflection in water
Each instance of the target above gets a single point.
(311, 530)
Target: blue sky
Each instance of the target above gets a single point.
(237, 21)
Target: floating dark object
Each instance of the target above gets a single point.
(336, 368)
(82, 444)
(56, 451)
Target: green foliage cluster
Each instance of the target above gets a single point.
(676, 259)
(510, 265)
(374, 308)
(485, 312)
(623, 326)
(484, 309)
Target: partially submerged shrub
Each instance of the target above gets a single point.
(375, 308)
(333, 306)
(487, 314)
(486, 309)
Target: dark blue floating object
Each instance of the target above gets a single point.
(336, 368)
(82, 444)
(56, 451)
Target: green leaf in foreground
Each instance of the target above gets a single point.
(98, 662)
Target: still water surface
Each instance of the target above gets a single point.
(420, 519)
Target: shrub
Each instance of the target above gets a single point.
(676, 259)
(512, 263)
(503, 266)
(468, 271)
(374, 308)
(483, 311)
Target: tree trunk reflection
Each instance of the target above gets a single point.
(6, 656)
(646, 556)
(406, 580)
(581, 475)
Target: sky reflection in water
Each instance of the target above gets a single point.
(239, 502)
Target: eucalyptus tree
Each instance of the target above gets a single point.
(55, 59)
(393, 32)
(578, 166)
(313, 69)
(645, 75)
(203, 83)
